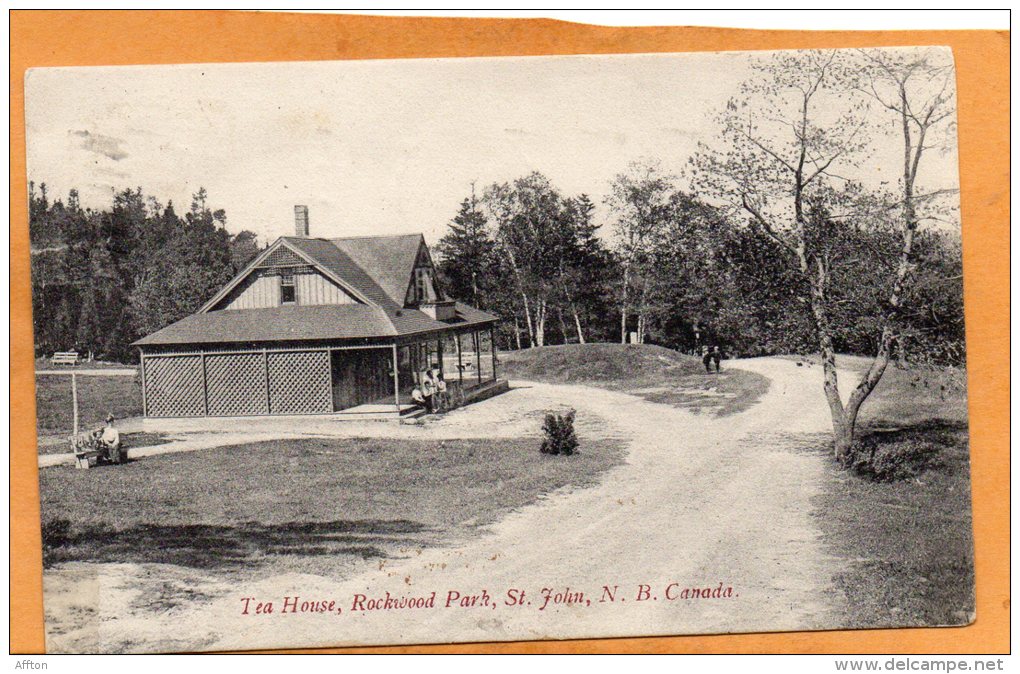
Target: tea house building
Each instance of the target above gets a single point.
(320, 326)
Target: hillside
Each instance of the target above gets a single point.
(597, 363)
(652, 372)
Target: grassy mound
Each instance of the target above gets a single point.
(597, 363)
(654, 373)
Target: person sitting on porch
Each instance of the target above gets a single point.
(440, 388)
(418, 398)
(428, 390)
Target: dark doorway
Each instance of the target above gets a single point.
(361, 376)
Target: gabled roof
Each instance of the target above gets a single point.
(315, 322)
(330, 258)
(329, 270)
(388, 260)
(376, 270)
(321, 322)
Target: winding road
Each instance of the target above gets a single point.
(702, 502)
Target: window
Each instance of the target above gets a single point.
(422, 285)
(288, 294)
(419, 284)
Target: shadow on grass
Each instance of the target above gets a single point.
(895, 429)
(900, 520)
(886, 454)
(204, 546)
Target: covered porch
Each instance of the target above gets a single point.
(466, 359)
(351, 379)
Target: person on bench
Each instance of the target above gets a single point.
(110, 437)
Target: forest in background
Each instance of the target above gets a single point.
(103, 278)
(669, 268)
(676, 271)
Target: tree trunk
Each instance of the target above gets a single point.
(577, 324)
(912, 152)
(577, 319)
(517, 332)
(623, 303)
(527, 319)
(642, 321)
(524, 295)
(540, 312)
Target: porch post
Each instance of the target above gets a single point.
(460, 361)
(478, 355)
(396, 379)
(492, 348)
(439, 352)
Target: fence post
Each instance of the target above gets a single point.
(141, 366)
(74, 400)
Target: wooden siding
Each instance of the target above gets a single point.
(317, 289)
(261, 291)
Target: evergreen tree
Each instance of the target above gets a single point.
(467, 255)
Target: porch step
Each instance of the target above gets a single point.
(412, 416)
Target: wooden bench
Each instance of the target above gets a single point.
(65, 358)
(87, 451)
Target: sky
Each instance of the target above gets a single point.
(372, 147)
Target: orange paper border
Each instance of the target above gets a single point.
(64, 38)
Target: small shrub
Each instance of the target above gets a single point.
(559, 434)
(903, 459)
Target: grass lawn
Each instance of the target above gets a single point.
(97, 397)
(654, 373)
(905, 539)
(46, 364)
(302, 505)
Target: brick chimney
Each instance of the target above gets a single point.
(301, 221)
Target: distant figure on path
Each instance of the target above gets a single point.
(716, 357)
(706, 358)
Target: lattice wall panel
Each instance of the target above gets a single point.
(173, 386)
(299, 383)
(236, 384)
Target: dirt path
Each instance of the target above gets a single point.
(702, 502)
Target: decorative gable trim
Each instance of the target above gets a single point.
(423, 256)
(282, 252)
(283, 256)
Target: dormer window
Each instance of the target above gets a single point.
(288, 293)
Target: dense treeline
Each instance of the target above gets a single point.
(670, 269)
(103, 278)
(676, 271)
